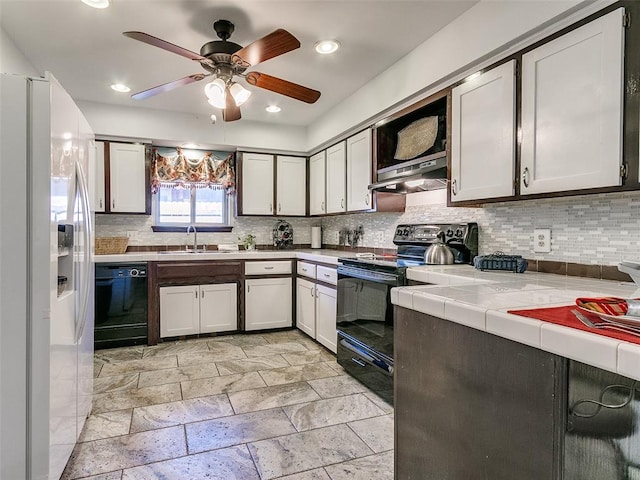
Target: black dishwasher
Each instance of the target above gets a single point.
(121, 305)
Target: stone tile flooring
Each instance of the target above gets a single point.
(254, 406)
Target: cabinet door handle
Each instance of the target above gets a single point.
(342, 203)
(311, 291)
(366, 199)
(113, 204)
(454, 187)
(196, 294)
(100, 203)
(271, 207)
(525, 177)
(248, 288)
(322, 206)
(279, 207)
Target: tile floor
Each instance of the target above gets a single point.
(245, 407)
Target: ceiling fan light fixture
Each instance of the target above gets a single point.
(120, 88)
(96, 3)
(326, 47)
(239, 93)
(218, 102)
(272, 108)
(215, 89)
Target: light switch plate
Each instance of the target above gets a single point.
(542, 240)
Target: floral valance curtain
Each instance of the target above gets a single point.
(176, 169)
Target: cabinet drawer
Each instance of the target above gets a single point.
(307, 269)
(267, 268)
(327, 274)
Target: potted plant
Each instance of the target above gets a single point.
(248, 241)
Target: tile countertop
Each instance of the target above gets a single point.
(320, 255)
(480, 300)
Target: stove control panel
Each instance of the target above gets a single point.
(426, 234)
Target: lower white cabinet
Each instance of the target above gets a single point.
(316, 312)
(193, 309)
(306, 306)
(218, 307)
(268, 303)
(326, 302)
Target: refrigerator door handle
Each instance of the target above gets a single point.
(84, 198)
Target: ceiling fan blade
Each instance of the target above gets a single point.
(272, 45)
(158, 42)
(283, 87)
(168, 86)
(231, 112)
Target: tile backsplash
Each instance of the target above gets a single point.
(591, 229)
(138, 229)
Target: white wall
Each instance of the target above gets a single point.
(482, 31)
(175, 128)
(12, 60)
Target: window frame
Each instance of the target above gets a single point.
(159, 226)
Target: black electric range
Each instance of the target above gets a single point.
(365, 312)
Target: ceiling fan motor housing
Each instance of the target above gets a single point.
(219, 46)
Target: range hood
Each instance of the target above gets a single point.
(417, 175)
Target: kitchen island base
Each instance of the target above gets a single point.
(473, 405)
(469, 404)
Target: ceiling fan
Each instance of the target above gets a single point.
(224, 60)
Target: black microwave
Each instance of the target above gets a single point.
(396, 150)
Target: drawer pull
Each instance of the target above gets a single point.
(358, 361)
(327, 275)
(268, 268)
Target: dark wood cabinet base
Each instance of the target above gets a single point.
(471, 405)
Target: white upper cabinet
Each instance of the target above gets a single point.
(257, 184)
(359, 171)
(483, 136)
(336, 178)
(291, 185)
(96, 178)
(572, 99)
(317, 177)
(127, 178)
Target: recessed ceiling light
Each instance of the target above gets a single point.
(326, 46)
(119, 87)
(273, 109)
(96, 3)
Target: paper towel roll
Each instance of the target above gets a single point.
(316, 237)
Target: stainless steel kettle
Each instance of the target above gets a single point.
(439, 253)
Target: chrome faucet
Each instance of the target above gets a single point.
(195, 237)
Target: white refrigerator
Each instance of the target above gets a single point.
(46, 277)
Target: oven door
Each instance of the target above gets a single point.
(365, 326)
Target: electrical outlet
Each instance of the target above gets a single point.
(542, 240)
(131, 233)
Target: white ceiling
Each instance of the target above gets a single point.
(85, 49)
